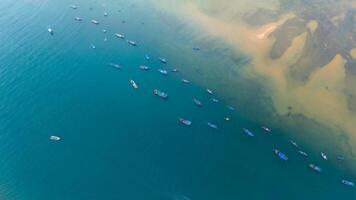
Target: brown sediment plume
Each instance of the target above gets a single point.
(321, 97)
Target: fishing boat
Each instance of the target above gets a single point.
(121, 36)
(144, 67)
(185, 121)
(197, 102)
(211, 125)
(315, 167)
(248, 132)
(324, 156)
(94, 21)
(209, 91)
(73, 7)
(134, 85)
(93, 46)
(280, 154)
(185, 81)
(78, 19)
(54, 137)
(133, 43)
(303, 153)
(293, 143)
(163, 60)
(50, 31)
(115, 65)
(163, 72)
(160, 94)
(347, 183)
(266, 129)
(147, 57)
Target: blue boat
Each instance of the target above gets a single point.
(315, 167)
(248, 132)
(280, 154)
(347, 183)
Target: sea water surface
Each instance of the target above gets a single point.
(121, 143)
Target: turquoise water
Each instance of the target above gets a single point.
(121, 143)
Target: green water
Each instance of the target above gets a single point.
(121, 143)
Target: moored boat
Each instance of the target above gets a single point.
(50, 31)
(209, 91)
(215, 100)
(211, 125)
(293, 143)
(163, 60)
(144, 67)
(348, 183)
(303, 153)
(133, 43)
(117, 66)
(163, 72)
(121, 36)
(185, 81)
(94, 21)
(280, 154)
(93, 46)
(185, 121)
(133, 83)
(78, 19)
(54, 137)
(73, 7)
(161, 94)
(197, 102)
(324, 156)
(315, 167)
(248, 132)
(265, 128)
(147, 57)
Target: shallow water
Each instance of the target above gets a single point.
(121, 143)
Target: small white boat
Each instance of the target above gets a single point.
(209, 91)
(175, 70)
(133, 43)
(266, 129)
(121, 36)
(105, 14)
(74, 7)
(197, 102)
(104, 30)
(248, 132)
(147, 57)
(324, 156)
(94, 21)
(230, 107)
(163, 60)
(227, 118)
(185, 81)
(78, 19)
(54, 137)
(303, 153)
(215, 100)
(185, 121)
(163, 72)
(293, 143)
(50, 31)
(117, 66)
(134, 85)
(315, 167)
(211, 125)
(93, 46)
(144, 67)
